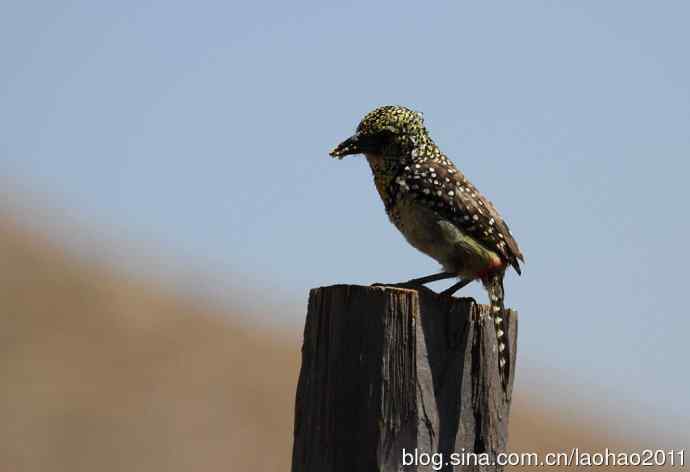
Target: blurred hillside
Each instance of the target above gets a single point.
(101, 373)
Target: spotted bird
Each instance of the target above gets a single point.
(437, 209)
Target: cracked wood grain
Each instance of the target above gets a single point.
(387, 368)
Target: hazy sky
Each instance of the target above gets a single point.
(202, 129)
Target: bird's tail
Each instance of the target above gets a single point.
(494, 286)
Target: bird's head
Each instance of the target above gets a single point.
(389, 131)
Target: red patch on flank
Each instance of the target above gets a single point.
(496, 264)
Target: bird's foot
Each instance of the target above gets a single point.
(407, 285)
(418, 284)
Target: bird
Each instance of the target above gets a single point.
(437, 209)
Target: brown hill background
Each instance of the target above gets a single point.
(102, 373)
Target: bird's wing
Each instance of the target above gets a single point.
(442, 187)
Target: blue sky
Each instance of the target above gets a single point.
(201, 131)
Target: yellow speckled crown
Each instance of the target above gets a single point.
(397, 119)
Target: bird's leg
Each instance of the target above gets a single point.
(431, 278)
(419, 282)
(455, 287)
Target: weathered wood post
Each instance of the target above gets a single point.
(387, 371)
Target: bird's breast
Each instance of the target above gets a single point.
(441, 239)
(384, 178)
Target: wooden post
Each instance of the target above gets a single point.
(388, 370)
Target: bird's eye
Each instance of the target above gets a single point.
(386, 134)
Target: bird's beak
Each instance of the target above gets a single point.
(352, 145)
